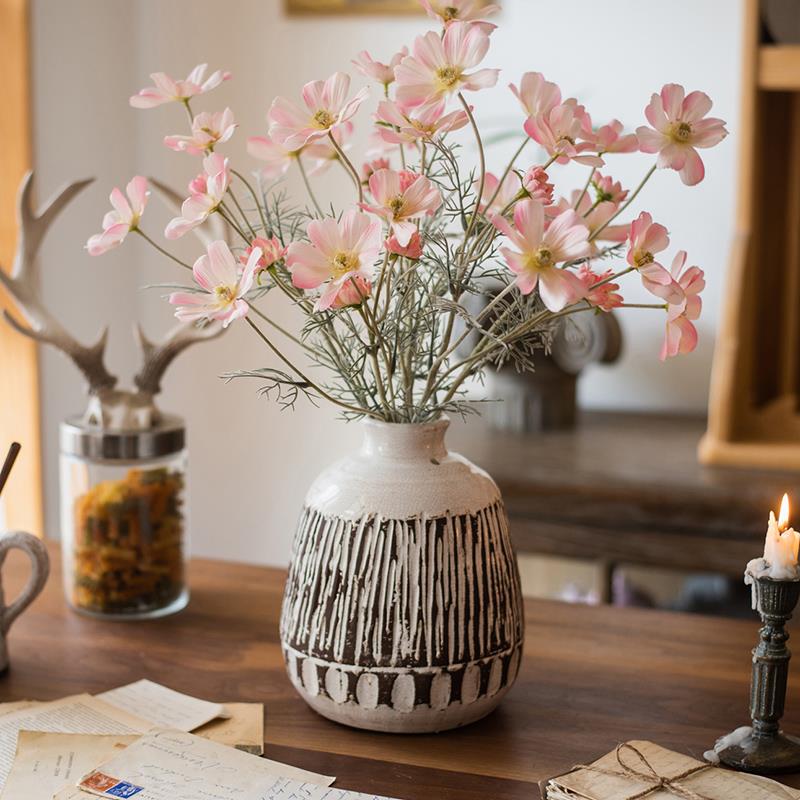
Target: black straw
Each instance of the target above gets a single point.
(8, 464)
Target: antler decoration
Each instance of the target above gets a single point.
(23, 285)
(158, 357)
(110, 408)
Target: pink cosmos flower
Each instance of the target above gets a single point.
(277, 158)
(679, 126)
(326, 106)
(224, 286)
(450, 11)
(645, 239)
(499, 194)
(412, 250)
(535, 183)
(369, 168)
(208, 129)
(559, 130)
(353, 293)
(400, 198)
(610, 139)
(376, 70)
(608, 190)
(123, 219)
(338, 251)
(272, 251)
(594, 217)
(168, 90)
(539, 250)
(439, 66)
(407, 125)
(207, 191)
(320, 153)
(605, 297)
(535, 94)
(681, 334)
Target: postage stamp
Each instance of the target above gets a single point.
(110, 787)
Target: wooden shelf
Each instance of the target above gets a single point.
(779, 67)
(627, 488)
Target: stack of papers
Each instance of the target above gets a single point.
(149, 742)
(631, 772)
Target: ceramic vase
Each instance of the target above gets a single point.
(403, 610)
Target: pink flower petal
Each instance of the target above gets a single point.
(559, 288)
(695, 106)
(693, 170)
(308, 266)
(137, 194)
(672, 95)
(482, 79)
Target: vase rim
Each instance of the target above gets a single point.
(441, 422)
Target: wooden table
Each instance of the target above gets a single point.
(627, 488)
(591, 677)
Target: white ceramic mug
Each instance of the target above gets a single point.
(40, 569)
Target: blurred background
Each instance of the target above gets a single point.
(251, 462)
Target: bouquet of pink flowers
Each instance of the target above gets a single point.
(388, 284)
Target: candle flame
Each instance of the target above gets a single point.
(783, 517)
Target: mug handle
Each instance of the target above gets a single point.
(40, 569)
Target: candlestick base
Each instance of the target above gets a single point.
(763, 755)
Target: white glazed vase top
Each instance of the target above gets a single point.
(403, 609)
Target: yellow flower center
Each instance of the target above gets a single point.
(448, 77)
(224, 294)
(343, 262)
(643, 257)
(681, 131)
(541, 260)
(396, 205)
(323, 119)
(449, 13)
(426, 130)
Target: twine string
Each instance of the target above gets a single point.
(647, 773)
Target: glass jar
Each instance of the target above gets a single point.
(123, 519)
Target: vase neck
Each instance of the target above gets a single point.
(408, 442)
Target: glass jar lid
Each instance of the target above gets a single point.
(85, 440)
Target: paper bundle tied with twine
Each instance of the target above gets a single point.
(644, 771)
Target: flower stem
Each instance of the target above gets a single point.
(482, 160)
(241, 212)
(508, 170)
(280, 328)
(160, 248)
(613, 277)
(638, 189)
(255, 199)
(188, 110)
(308, 186)
(348, 166)
(321, 392)
(229, 218)
(585, 189)
(372, 352)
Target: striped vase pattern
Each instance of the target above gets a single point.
(403, 610)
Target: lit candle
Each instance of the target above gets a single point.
(780, 549)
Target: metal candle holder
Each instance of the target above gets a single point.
(768, 750)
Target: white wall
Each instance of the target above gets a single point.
(251, 463)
